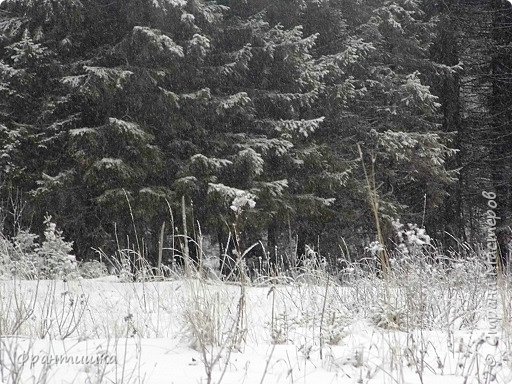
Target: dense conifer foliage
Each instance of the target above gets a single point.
(112, 112)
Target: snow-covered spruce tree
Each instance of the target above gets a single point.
(377, 95)
(376, 73)
(290, 83)
(328, 165)
(403, 120)
(122, 117)
(134, 105)
(26, 70)
(115, 118)
(34, 37)
(54, 255)
(260, 138)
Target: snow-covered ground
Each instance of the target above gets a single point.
(309, 330)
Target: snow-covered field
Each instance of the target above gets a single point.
(414, 328)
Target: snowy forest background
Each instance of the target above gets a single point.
(117, 116)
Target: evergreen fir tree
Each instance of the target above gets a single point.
(114, 109)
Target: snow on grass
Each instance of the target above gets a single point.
(412, 328)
